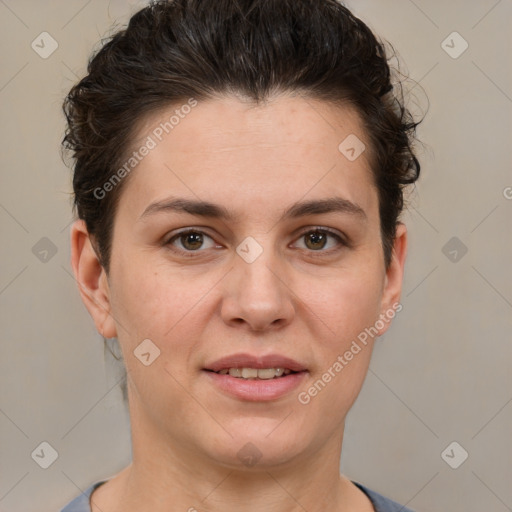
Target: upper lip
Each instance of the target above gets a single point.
(260, 362)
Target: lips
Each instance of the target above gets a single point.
(243, 360)
(259, 389)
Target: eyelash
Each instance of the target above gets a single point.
(320, 253)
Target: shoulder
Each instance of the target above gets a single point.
(381, 503)
(81, 503)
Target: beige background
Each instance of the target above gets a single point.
(441, 374)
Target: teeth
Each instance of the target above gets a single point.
(249, 373)
(255, 373)
(269, 373)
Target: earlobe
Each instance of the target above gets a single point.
(91, 279)
(390, 303)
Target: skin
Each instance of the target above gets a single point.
(306, 303)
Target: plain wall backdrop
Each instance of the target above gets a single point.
(440, 375)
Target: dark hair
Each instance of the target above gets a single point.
(177, 49)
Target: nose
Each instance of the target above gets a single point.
(256, 295)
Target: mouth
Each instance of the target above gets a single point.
(242, 361)
(256, 378)
(255, 373)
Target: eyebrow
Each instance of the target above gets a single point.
(297, 210)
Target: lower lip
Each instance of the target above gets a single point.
(257, 390)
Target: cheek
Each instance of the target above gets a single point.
(156, 301)
(170, 309)
(344, 311)
(344, 305)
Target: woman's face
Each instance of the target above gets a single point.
(286, 261)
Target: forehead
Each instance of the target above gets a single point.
(230, 151)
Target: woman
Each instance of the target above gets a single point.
(238, 178)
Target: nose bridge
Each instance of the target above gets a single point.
(258, 294)
(259, 276)
(257, 269)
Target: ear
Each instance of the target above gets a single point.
(390, 303)
(92, 279)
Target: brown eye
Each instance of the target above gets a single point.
(315, 240)
(191, 241)
(321, 241)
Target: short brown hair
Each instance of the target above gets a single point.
(176, 49)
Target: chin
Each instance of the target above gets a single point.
(258, 445)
